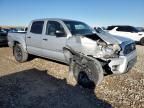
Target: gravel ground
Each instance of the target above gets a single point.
(41, 83)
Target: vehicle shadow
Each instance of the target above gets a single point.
(36, 89)
(5, 45)
(32, 57)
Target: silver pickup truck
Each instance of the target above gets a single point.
(89, 53)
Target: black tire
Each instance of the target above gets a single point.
(90, 76)
(19, 53)
(142, 41)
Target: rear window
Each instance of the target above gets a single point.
(37, 27)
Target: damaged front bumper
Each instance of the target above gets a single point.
(123, 64)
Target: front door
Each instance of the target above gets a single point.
(54, 40)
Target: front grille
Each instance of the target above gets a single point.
(129, 48)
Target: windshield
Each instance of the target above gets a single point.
(78, 28)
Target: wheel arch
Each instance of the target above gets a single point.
(23, 45)
(142, 41)
(68, 53)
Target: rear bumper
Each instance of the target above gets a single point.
(123, 64)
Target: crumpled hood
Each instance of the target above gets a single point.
(92, 44)
(113, 39)
(122, 39)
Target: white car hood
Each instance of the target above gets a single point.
(141, 33)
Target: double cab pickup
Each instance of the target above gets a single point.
(88, 52)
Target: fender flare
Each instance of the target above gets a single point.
(23, 45)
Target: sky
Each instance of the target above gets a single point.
(93, 12)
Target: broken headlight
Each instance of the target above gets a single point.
(115, 47)
(109, 51)
(112, 51)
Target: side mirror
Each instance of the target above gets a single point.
(26, 29)
(98, 30)
(60, 33)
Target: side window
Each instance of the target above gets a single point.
(110, 27)
(55, 29)
(37, 27)
(124, 29)
(120, 29)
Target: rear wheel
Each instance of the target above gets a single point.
(89, 74)
(19, 54)
(142, 41)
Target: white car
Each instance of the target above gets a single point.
(128, 32)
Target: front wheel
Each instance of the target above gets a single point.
(89, 75)
(142, 41)
(19, 54)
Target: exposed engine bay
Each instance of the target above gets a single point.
(93, 45)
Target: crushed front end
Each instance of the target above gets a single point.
(126, 59)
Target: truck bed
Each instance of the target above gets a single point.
(16, 36)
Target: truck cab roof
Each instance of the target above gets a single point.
(56, 19)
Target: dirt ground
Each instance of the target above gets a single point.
(40, 83)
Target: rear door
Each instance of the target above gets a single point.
(34, 38)
(54, 40)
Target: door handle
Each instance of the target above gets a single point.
(28, 37)
(45, 39)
